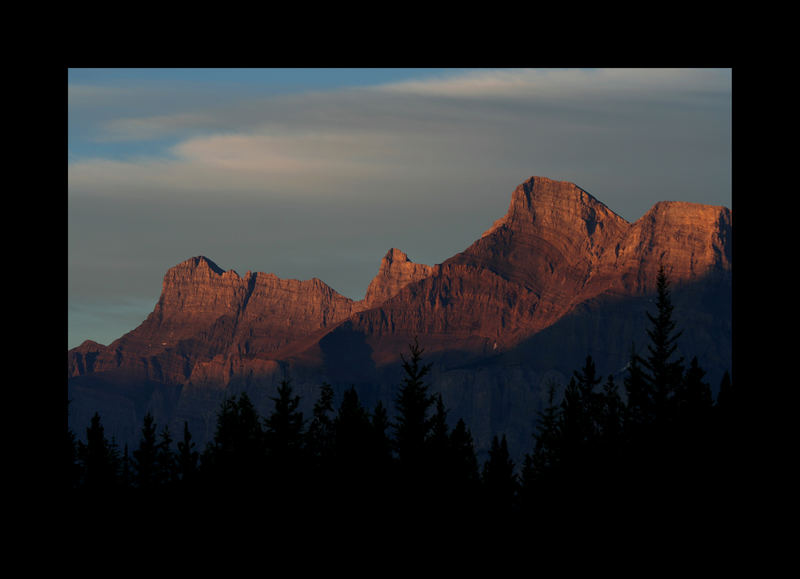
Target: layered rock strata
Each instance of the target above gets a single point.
(558, 266)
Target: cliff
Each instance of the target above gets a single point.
(559, 276)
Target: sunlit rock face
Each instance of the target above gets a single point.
(396, 271)
(556, 248)
(559, 276)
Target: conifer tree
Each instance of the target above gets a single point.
(462, 463)
(609, 447)
(573, 428)
(380, 445)
(98, 458)
(499, 480)
(726, 396)
(188, 458)
(413, 403)
(582, 411)
(126, 470)
(663, 372)
(693, 400)
(437, 455)
(438, 436)
(284, 438)
(352, 432)
(640, 407)
(319, 436)
(542, 465)
(166, 462)
(73, 467)
(236, 453)
(611, 415)
(144, 457)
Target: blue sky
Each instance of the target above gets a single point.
(318, 172)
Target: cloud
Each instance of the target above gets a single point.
(463, 128)
(566, 83)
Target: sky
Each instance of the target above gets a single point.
(319, 172)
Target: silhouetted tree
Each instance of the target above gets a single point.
(413, 403)
(380, 448)
(438, 438)
(284, 437)
(640, 406)
(539, 468)
(144, 457)
(188, 458)
(693, 400)
(611, 416)
(663, 372)
(581, 417)
(499, 480)
(126, 469)
(72, 464)
(381, 443)
(462, 473)
(319, 436)
(575, 431)
(99, 458)
(235, 456)
(352, 432)
(727, 397)
(166, 461)
(436, 455)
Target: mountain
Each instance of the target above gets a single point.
(560, 276)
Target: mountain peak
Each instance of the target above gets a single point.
(396, 271)
(542, 194)
(199, 262)
(395, 255)
(548, 201)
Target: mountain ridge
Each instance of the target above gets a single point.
(558, 254)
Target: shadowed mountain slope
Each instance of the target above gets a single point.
(558, 277)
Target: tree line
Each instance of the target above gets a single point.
(659, 436)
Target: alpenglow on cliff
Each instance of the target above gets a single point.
(560, 276)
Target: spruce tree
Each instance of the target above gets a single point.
(574, 430)
(284, 437)
(499, 480)
(188, 458)
(462, 464)
(438, 438)
(319, 436)
(640, 406)
(611, 415)
(381, 443)
(663, 371)
(72, 464)
(144, 457)
(541, 467)
(380, 448)
(352, 430)
(693, 400)
(166, 461)
(100, 464)
(413, 403)
(609, 447)
(235, 456)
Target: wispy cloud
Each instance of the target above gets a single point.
(518, 121)
(565, 83)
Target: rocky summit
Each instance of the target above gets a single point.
(560, 276)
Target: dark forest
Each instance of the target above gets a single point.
(656, 444)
